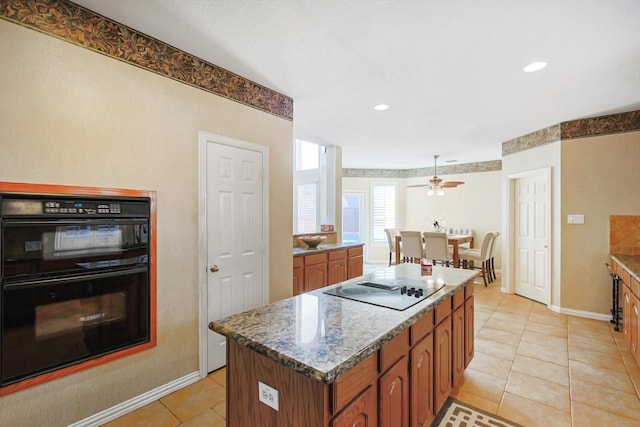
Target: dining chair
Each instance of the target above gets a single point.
(491, 260)
(412, 248)
(481, 256)
(391, 241)
(436, 247)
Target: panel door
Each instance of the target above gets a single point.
(337, 271)
(235, 246)
(421, 383)
(315, 276)
(394, 395)
(457, 349)
(362, 412)
(531, 232)
(469, 331)
(626, 313)
(442, 363)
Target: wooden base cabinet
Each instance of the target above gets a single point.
(394, 395)
(321, 268)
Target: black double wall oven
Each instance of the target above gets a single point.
(75, 280)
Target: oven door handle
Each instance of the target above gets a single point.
(73, 221)
(75, 278)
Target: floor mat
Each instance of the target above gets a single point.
(455, 413)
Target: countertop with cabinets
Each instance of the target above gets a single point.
(627, 269)
(328, 360)
(330, 263)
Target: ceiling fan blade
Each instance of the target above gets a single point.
(418, 185)
(451, 184)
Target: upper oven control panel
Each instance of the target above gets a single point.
(68, 207)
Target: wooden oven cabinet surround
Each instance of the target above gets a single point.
(404, 383)
(63, 190)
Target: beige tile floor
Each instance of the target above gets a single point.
(531, 365)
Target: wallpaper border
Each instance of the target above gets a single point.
(73, 23)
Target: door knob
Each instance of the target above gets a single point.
(214, 269)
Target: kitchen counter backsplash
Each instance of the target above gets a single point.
(624, 234)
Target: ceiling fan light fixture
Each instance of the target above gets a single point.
(381, 107)
(430, 192)
(440, 192)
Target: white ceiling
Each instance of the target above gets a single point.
(450, 70)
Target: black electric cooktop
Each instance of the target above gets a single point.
(398, 294)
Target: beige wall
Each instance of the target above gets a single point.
(600, 177)
(70, 116)
(545, 156)
(476, 205)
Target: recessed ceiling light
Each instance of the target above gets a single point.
(381, 107)
(534, 66)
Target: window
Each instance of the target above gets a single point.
(306, 192)
(353, 217)
(307, 207)
(383, 215)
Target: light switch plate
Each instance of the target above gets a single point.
(575, 219)
(268, 395)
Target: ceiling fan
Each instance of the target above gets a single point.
(436, 185)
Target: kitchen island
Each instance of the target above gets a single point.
(322, 360)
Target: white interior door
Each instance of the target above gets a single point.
(235, 237)
(531, 233)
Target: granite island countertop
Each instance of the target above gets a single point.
(324, 247)
(324, 336)
(631, 263)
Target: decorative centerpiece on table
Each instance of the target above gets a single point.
(312, 241)
(438, 224)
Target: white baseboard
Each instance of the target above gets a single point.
(132, 404)
(580, 313)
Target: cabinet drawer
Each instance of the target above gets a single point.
(458, 299)
(298, 261)
(342, 254)
(443, 310)
(315, 259)
(422, 327)
(468, 290)
(353, 382)
(355, 251)
(392, 351)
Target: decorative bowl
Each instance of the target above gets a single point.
(312, 241)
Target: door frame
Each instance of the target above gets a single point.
(203, 139)
(508, 271)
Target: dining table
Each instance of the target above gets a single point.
(454, 239)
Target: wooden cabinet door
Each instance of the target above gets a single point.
(626, 313)
(356, 261)
(442, 363)
(394, 395)
(421, 383)
(298, 280)
(457, 345)
(298, 275)
(315, 276)
(469, 330)
(633, 327)
(361, 412)
(337, 271)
